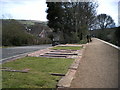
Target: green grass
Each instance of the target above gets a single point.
(67, 47)
(39, 74)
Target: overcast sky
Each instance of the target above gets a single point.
(35, 9)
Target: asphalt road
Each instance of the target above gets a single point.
(12, 51)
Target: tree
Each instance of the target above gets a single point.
(54, 15)
(71, 18)
(85, 16)
(104, 21)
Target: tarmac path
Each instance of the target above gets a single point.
(98, 67)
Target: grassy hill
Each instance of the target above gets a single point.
(31, 22)
(36, 27)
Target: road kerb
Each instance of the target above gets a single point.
(16, 57)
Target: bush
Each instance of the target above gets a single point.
(45, 41)
(117, 36)
(83, 41)
(14, 34)
(111, 35)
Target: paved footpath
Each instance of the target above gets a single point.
(98, 67)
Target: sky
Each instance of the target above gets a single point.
(35, 9)
(24, 9)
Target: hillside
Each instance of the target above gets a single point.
(31, 22)
(24, 32)
(35, 27)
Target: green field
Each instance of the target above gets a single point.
(67, 47)
(39, 74)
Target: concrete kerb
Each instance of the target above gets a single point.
(65, 81)
(109, 44)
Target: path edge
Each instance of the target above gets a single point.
(110, 44)
(65, 81)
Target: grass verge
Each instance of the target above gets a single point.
(67, 47)
(39, 74)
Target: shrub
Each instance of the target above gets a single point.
(14, 34)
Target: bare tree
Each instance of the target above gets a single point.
(104, 21)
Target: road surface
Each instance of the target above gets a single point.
(12, 51)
